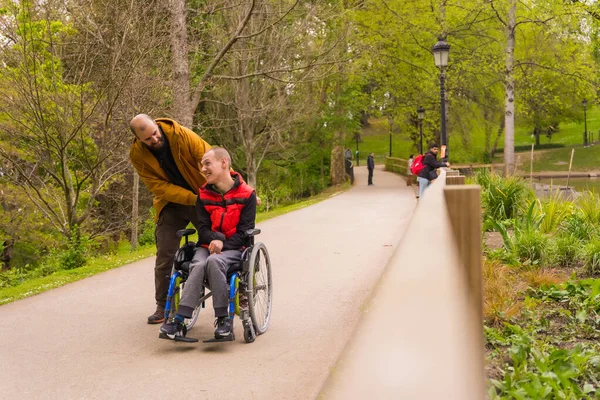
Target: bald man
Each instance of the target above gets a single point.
(168, 156)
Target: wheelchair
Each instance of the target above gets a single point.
(251, 277)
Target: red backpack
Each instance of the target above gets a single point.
(417, 165)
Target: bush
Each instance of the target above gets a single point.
(554, 210)
(577, 226)
(589, 206)
(74, 256)
(502, 197)
(563, 251)
(591, 257)
(148, 229)
(530, 246)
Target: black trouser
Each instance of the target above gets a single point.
(171, 219)
(370, 176)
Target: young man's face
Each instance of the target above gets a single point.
(435, 150)
(150, 135)
(212, 168)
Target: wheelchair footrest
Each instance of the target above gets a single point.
(184, 339)
(229, 338)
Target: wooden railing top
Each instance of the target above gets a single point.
(420, 335)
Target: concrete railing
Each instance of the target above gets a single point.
(397, 165)
(421, 332)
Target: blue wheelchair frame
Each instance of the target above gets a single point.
(234, 279)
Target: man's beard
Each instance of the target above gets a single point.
(156, 146)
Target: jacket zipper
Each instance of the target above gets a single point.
(223, 215)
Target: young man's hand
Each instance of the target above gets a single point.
(215, 247)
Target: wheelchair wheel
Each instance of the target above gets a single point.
(260, 288)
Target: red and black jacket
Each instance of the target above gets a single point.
(226, 216)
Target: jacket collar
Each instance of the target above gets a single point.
(237, 181)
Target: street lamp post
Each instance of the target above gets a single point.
(390, 123)
(440, 51)
(357, 158)
(585, 134)
(421, 115)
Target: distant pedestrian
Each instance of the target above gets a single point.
(410, 178)
(348, 154)
(428, 174)
(371, 167)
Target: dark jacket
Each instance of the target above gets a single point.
(430, 163)
(226, 216)
(370, 162)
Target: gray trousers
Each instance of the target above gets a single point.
(214, 267)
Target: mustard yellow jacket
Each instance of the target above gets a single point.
(187, 148)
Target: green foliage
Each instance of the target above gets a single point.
(577, 226)
(530, 246)
(564, 251)
(74, 255)
(591, 257)
(554, 210)
(589, 206)
(535, 357)
(502, 197)
(283, 183)
(147, 235)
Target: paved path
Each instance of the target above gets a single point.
(89, 339)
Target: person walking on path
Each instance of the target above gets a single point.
(410, 178)
(428, 174)
(348, 154)
(371, 167)
(167, 157)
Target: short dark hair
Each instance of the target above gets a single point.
(433, 144)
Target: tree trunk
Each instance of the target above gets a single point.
(337, 173)
(134, 211)
(182, 111)
(509, 104)
(500, 130)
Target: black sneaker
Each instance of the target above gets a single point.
(172, 329)
(158, 316)
(223, 325)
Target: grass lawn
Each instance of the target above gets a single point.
(125, 255)
(376, 138)
(568, 133)
(584, 159)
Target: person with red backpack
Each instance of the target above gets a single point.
(427, 168)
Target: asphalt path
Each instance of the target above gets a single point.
(90, 339)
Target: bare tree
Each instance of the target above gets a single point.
(62, 120)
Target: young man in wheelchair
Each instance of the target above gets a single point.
(226, 209)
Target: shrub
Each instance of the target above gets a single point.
(589, 206)
(502, 197)
(577, 226)
(530, 246)
(563, 251)
(554, 210)
(147, 234)
(591, 257)
(74, 256)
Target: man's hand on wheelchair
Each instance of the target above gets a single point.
(215, 247)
